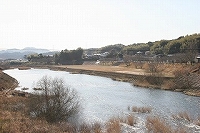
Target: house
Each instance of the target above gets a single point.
(139, 53)
(198, 58)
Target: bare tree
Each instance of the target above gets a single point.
(56, 102)
(155, 76)
(127, 60)
(191, 51)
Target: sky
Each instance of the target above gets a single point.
(69, 24)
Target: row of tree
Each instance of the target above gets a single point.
(183, 44)
(69, 57)
(188, 43)
(180, 45)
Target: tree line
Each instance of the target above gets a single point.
(69, 57)
(188, 43)
(184, 44)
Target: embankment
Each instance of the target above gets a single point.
(7, 82)
(145, 80)
(135, 79)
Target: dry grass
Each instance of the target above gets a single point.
(156, 125)
(131, 120)
(168, 70)
(197, 122)
(12, 103)
(13, 118)
(182, 116)
(96, 127)
(113, 126)
(16, 122)
(141, 109)
(87, 128)
(180, 130)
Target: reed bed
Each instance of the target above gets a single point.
(141, 109)
(182, 116)
(156, 125)
(13, 118)
(113, 126)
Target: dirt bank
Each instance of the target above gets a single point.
(7, 82)
(137, 78)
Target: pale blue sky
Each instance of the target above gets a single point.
(69, 24)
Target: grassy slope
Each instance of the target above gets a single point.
(7, 82)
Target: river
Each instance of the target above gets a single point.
(103, 98)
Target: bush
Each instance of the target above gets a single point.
(55, 102)
(113, 126)
(141, 109)
(156, 125)
(131, 120)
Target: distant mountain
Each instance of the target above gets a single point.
(35, 50)
(19, 53)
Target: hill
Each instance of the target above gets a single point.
(182, 44)
(19, 53)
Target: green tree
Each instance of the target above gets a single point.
(70, 56)
(134, 48)
(173, 47)
(116, 47)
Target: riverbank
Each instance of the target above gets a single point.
(7, 82)
(138, 127)
(137, 77)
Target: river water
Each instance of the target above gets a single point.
(103, 98)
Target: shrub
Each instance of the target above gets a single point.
(131, 120)
(113, 126)
(90, 128)
(85, 128)
(97, 128)
(197, 122)
(156, 125)
(182, 116)
(55, 102)
(141, 109)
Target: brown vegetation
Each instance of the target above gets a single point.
(197, 122)
(56, 102)
(14, 118)
(7, 82)
(24, 68)
(113, 126)
(131, 120)
(150, 75)
(141, 109)
(182, 116)
(156, 125)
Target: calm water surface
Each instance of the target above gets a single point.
(102, 98)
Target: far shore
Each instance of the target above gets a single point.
(137, 77)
